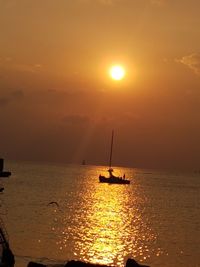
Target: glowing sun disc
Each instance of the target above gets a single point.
(117, 72)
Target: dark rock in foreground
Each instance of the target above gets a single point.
(133, 263)
(35, 264)
(73, 263)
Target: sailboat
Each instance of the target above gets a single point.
(112, 179)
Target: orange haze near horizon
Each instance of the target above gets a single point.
(58, 103)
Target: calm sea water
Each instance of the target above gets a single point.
(155, 219)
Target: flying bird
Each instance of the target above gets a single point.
(53, 202)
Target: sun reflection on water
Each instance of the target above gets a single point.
(105, 219)
(105, 224)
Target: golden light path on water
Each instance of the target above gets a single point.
(105, 224)
(56, 213)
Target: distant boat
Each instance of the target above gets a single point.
(2, 172)
(112, 179)
(1, 189)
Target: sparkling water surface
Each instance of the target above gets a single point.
(54, 213)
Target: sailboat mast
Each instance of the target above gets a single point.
(111, 149)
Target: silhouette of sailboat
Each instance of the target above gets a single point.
(112, 179)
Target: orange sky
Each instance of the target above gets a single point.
(57, 102)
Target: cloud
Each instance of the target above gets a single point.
(103, 2)
(27, 67)
(112, 2)
(10, 64)
(76, 119)
(4, 101)
(17, 94)
(8, 3)
(191, 61)
(108, 2)
(12, 96)
(158, 2)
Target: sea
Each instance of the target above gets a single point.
(54, 213)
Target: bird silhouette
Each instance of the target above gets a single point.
(53, 202)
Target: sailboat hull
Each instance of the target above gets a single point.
(113, 180)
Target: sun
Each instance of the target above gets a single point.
(117, 72)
